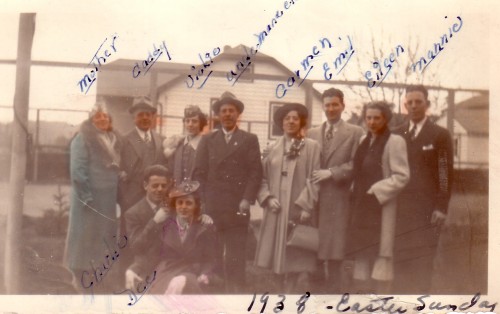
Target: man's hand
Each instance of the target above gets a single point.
(206, 220)
(203, 279)
(161, 215)
(176, 285)
(273, 204)
(320, 175)
(244, 209)
(131, 279)
(438, 217)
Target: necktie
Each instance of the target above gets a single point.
(228, 137)
(413, 132)
(146, 137)
(329, 132)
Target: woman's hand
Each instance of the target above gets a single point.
(131, 279)
(203, 279)
(320, 175)
(274, 205)
(304, 215)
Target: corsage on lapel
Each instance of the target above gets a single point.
(428, 147)
(295, 148)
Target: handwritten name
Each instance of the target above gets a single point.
(339, 63)
(97, 61)
(90, 278)
(141, 289)
(200, 71)
(423, 63)
(281, 89)
(150, 59)
(387, 66)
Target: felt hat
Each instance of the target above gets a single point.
(142, 103)
(282, 111)
(183, 189)
(228, 98)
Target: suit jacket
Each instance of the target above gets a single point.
(144, 236)
(228, 173)
(430, 156)
(336, 155)
(131, 190)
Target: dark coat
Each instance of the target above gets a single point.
(228, 173)
(196, 256)
(144, 236)
(131, 189)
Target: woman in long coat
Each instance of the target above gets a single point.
(381, 171)
(287, 194)
(92, 231)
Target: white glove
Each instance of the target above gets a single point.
(161, 215)
(131, 279)
(176, 285)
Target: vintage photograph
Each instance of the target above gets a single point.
(275, 148)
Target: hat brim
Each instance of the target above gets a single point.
(141, 107)
(282, 111)
(228, 100)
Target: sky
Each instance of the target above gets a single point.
(72, 31)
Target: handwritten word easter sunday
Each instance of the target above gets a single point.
(150, 60)
(97, 61)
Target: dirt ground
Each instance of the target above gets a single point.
(463, 247)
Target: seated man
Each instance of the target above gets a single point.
(144, 223)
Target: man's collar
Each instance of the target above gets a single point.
(152, 205)
(420, 124)
(142, 133)
(229, 132)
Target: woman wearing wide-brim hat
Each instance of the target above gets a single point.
(287, 194)
(188, 247)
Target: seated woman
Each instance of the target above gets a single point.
(381, 171)
(188, 256)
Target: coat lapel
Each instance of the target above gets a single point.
(338, 138)
(233, 145)
(136, 140)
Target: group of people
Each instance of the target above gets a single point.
(374, 200)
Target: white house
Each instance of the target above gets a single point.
(172, 86)
(471, 132)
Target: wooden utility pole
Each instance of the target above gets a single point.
(18, 159)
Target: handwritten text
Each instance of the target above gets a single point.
(150, 60)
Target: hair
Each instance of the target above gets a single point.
(202, 117)
(197, 201)
(383, 106)
(333, 92)
(156, 170)
(417, 88)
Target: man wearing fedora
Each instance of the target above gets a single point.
(229, 168)
(339, 141)
(181, 153)
(142, 148)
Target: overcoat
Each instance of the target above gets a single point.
(94, 181)
(271, 247)
(228, 173)
(336, 155)
(132, 163)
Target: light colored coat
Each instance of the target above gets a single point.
(336, 155)
(273, 232)
(396, 173)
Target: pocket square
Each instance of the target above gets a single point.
(428, 147)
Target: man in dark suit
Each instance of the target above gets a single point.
(142, 148)
(229, 168)
(423, 204)
(144, 225)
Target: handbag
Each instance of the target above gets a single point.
(304, 237)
